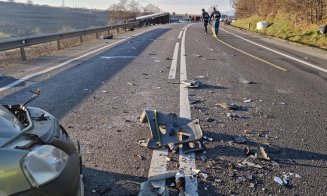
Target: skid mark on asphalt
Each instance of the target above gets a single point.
(248, 54)
(280, 53)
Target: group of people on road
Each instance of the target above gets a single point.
(207, 19)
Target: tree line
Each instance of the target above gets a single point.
(308, 11)
(128, 9)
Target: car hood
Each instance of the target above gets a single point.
(9, 125)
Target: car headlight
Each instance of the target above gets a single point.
(43, 164)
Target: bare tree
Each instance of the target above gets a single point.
(29, 2)
(151, 9)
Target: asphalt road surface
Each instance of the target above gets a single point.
(99, 90)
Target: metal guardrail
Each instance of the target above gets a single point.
(21, 43)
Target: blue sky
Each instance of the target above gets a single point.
(178, 6)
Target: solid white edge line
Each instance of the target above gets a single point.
(180, 35)
(66, 62)
(158, 166)
(277, 52)
(186, 161)
(173, 67)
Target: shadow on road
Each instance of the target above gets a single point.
(64, 91)
(99, 182)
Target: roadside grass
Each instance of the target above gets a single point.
(283, 27)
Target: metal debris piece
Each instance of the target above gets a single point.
(250, 161)
(191, 83)
(200, 77)
(281, 181)
(247, 100)
(208, 138)
(180, 183)
(198, 147)
(203, 176)
(143, 142)
(246, 81)
(231, 115)
(261, 154)
(161, 123)
(163, 176)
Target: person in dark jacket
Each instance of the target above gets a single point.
(205, 18)
(215, 16)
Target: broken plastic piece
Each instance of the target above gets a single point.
(163, 176)
(191, 83)
(189, 131)
(261, 154)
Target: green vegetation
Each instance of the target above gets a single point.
(282, 27)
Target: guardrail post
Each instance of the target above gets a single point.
(22, 53)
(58, 45)
(81, 39)
(97, 35)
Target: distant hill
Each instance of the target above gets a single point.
(19, 19)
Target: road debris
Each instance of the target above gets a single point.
(246, 81)
(234, 116)
(167, 129)
(261, 154)
(281, 181)
(200, 77)
(191, 83)
(143, 142)
(180, 183)
(232, 106)
(163, 176)
(208, 138)
(203, 176)
(197, 55)
(247, 100)
(250, 161)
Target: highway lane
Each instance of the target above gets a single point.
(99, 98)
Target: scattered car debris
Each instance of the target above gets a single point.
(191, 83)
(261, 154)
(281, 181)
(247, 100)
(141, 157)
(163, 176)
(110, 126)
(143, 142)
(234, 116)
(180, 183)
(250, 161)
(203, 176)
(283, 103)
(246, 81)
(197, 55)
(208, 138)
(168, 128)
(200, 77)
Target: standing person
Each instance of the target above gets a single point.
(205, 17)
(216, 16)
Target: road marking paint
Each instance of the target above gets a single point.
(186, 161)
(158, 165)
(67, 62)
(246, 53)
(118, 57)
(173, 67)
(180, 35)
(280, 53)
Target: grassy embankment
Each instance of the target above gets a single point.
(283, 27)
